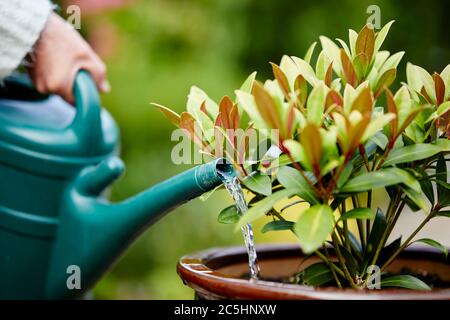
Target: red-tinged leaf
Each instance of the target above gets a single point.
(203, 108)
(354, 134)
(365, 42)
(329, 74)
(172, 116)
(301, 89)
(218, 121)
(282, 80)
(225, 107)
(424, 94)
(392, 108)
(334, 97)
(439, 88)
(385, 81)
(348, 69)
(363, 102)
(290, 120)
(234, 116)
(191, 128)
(266, 106)
(312, 143)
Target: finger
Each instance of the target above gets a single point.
(98, 71)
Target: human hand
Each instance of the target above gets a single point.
(57, 57)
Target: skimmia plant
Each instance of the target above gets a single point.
(342, 132)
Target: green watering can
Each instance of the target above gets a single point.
(55, 162)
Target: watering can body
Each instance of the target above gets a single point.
(55, 163)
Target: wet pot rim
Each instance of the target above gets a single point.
(198, 271)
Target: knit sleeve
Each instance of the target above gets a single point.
(21, 22)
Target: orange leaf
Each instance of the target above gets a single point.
(354, 134)
(392, 108)
(191, 128)
(312, 143)
(329, 74)
(425, 95)
(172, 116)
(334, 97)
(348, 69)
(225, 107)
(266, 106)
(363, 102)
(290, 119)
(282, 80)
(365, 42)
(439, 88)
(301, 89)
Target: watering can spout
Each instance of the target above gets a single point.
(93, 233)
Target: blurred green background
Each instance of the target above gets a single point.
(156, 49)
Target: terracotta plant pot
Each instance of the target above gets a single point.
(217, 274)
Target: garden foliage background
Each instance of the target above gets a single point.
(156, 49)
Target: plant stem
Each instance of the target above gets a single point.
(342, 262)
(359, 222)
(369, 205)
(392, 207)
(407, 242)
(329, 263)
(333, 272)
(345, 225)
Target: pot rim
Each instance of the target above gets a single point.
(197, 270)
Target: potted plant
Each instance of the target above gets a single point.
(335, 133)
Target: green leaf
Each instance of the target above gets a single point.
(358, 213)
(314, 226)
(195, 99)
(404, 281)
(291, 179)
(306, 70)
(381, 35)
(316, 104)
(278, 225)
(426, 185)
(316, 275)
(260, 208)
(332, 51)
(441, 176)
(373, 180)
(387, 251)
(248, 83)
(378, 228)
(310, 52)
(435, 244)
(346, 172)
(259, 183)
(444, 213)
(411, 153)
(444, 144)
(417, 197)
(229, 215)
(380, 140)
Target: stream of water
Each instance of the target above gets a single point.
(231, 183)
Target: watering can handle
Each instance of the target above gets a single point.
(87, 124)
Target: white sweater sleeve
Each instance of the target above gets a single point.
(21, 22)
